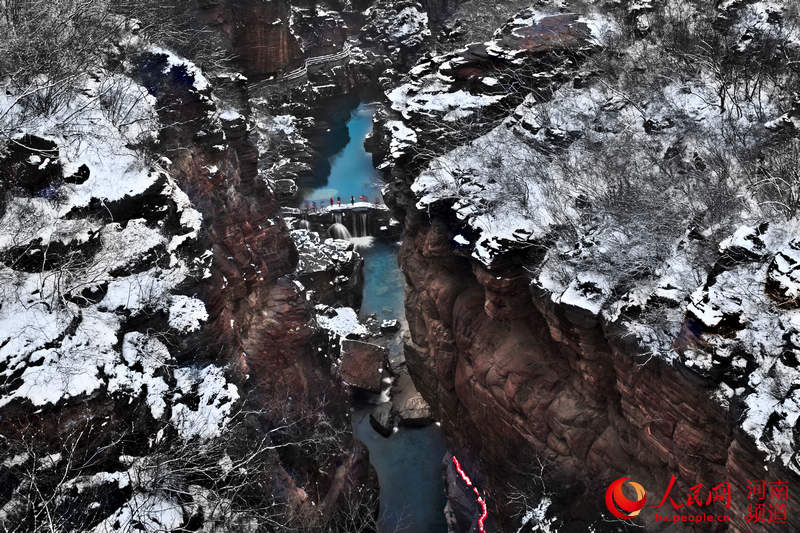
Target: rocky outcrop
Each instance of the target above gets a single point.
(479, 83)
(527, 335)
(382, 419)
(508, 369)
(409, 405)
(331, 269)
(259, 33)
(257, 314)
(398, 29)
(362, 364)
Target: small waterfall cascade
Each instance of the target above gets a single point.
(359, 224)
(304, 224)
(362, 218)
(339, 231)
(337, 217)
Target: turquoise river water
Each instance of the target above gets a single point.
(408, 463)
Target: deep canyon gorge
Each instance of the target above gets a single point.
(399, 266)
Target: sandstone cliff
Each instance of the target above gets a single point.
(554, 333)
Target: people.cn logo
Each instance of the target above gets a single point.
(620, 505)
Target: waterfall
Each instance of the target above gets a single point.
(337, 217)
(304, 224)
(363, 219)
(339, 231)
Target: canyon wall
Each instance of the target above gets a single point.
(257, 314)
(257, 32)
(514, 377)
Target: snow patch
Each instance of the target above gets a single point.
(186, 313)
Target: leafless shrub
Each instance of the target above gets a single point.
(480, 19)
(48, 46)
(173, 25)
(77, 479)
(775, 179)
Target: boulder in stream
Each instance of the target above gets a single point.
(382, 419)
(410, 406)
(389, 326)
(362, 364)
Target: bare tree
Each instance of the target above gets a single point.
(775, 179)
(91, 479)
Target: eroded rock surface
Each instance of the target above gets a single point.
(599, 343)
(362, 364)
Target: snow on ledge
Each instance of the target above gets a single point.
(343, 323)
(216, 399)
(173, 60)
(186, 313)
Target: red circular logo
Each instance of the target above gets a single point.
(619, 505)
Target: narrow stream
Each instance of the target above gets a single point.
(408, 463)
(409, 467)
(352, 173)
(384, 286)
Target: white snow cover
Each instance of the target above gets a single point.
(600, 26)
(229, 115)
(151, 355)
(401, 137)
(343, 323)
(464, 177)
(284, 123)
(217, 398)
(786, 270)
(393, 24)
(173, 60)
(93, 140)
(738, 294)
(512, 193)
(588, 290)
(61, 345)
(410, 21)
(753, 19)
(144, 512)
(150, 508)
(130, 242)
(431, 95)
(71, 370)
(513, 186)
(186, 313)
(536, 519)
(317, 255)
(746, 238)
(133, 112)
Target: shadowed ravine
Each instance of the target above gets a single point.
(408, 463)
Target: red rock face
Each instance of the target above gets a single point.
(511, 372)
(257, 317)
(362, 364)
(256, 313)
(258, 33)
